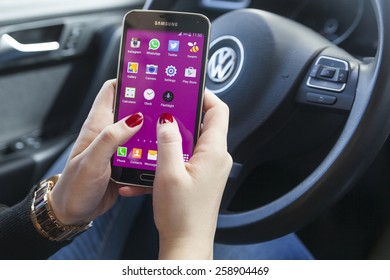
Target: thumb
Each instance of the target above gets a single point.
(104, 146)
(169, 142)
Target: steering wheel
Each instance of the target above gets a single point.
(266, 68)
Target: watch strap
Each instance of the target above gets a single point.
(43, 217)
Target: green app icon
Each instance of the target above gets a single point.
(154, 44)
(121, 152)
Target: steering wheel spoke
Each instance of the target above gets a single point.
(232, 185)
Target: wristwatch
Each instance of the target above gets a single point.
(43, 217)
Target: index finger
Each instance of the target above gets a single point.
(105, 99)
(216, 119)
(99, 117)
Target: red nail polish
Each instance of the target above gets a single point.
(166, 118)
(134, 120)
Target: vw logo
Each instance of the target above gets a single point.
(225, 63)
(222, 64)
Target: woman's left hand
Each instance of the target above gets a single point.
(84, 190)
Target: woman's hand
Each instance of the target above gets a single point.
(84, 190)
(187, 196)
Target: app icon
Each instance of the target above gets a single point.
(170, 71)
(154, 44)
(132, 67)
(151, 69)
(149, 94)
(129, 92)
(135, 43)
(173, 45)
(190, 72)
(194, 48)
(121, 152)
(137, 153)
(168, 96)
(152, 155)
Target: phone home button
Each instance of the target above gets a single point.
(147, 177)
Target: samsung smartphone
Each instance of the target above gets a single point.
(161, 70)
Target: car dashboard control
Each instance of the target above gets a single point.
(329, 74)
(330, 83)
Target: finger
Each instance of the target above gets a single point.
(169, 142)
(98, 118)
(105, 99)
(216, 120)
(133, 191)
(104, 146)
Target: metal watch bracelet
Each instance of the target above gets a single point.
(43, 217)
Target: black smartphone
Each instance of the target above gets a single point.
(161, 69)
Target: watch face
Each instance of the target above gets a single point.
(168, 96)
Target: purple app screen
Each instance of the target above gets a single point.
(161, 74)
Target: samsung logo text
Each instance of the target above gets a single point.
(166, 23)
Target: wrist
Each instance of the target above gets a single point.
(60, 207)
(186, 248)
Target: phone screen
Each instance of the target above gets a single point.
(160, 72)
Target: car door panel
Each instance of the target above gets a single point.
(45, 94)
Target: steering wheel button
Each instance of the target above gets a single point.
(342, 76)
(327, 72)
(321, 98)
(332, 62)
(326, 85)
(314, 71)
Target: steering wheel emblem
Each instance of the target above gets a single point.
(222, 64)
(225, 63)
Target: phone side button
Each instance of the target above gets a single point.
(147, 177)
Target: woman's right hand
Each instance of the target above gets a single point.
(187, 195)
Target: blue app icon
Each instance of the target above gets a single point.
(173, 45)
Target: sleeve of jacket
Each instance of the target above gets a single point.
(18, 237)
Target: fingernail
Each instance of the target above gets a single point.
(166, 118)
(134, 120)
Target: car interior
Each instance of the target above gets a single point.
(309, 95)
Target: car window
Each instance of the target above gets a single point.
(12, 10)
